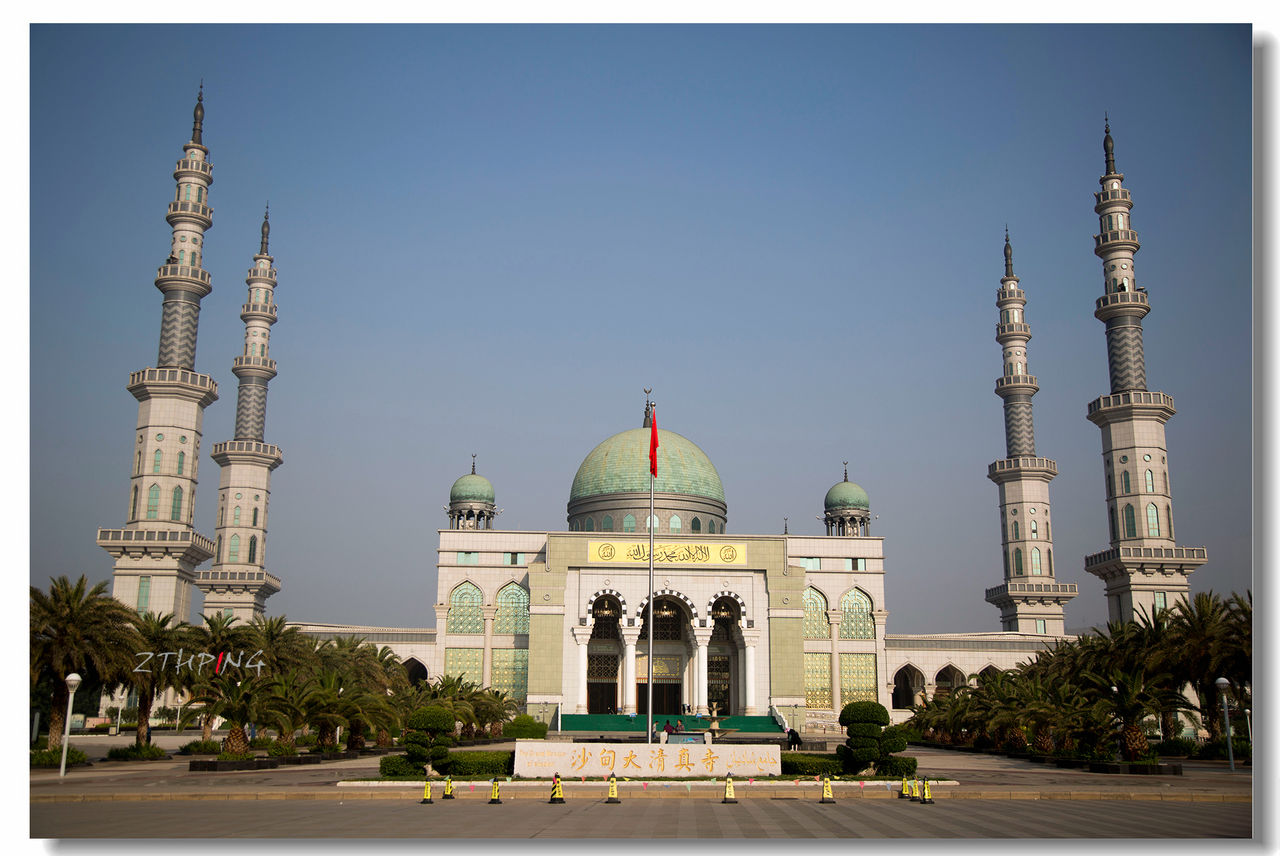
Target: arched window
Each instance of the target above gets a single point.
(133, 504)
(1153, 521)
(1050, 552)
(1151, 482)
(182, 257)
(1124, 478)
(137, 465)
(1168, 515)
(855, 619)
(1016, 536)
(1017, 561)
(695, 526)
(1035, 530)
(175, 513)
(235, 516)
(1111, 518)
(465, 614)
(629, 523)
(1130, 527)
(1035, 561)
(155, 462)
(815, 615)
(253, 548)
(255, 515)
(606, 525)
(588, 525)
(153, 502)
(513, 610)
(651, 523)
(182, 461)
(233, 550)
(674, 524)
(218, 549)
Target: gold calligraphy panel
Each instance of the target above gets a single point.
(640, 761)
(698, 553)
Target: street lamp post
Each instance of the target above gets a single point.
(1248, 723)
(1222, 684)
(73, 681)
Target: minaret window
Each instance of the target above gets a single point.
(187, 197)
(1035, 561)
(1153, 521)
(175, 513)
(255, 515)
(235, 516)
(1050, 554)
(199, 194)
(675, 523)
(217, 551)
(253, 548)
(153, 502)
(1111, 518)
(233, 550)
(133, 505)
(1016, 534)
(137, 466)
(1168, 513)
(1130, 527)
(1034, 530)
(1124, 481)
(182, 257)
(815, 615)
(182, 460)
(155, 462)
(144, 594)
(1017, 561)
(1151, 482)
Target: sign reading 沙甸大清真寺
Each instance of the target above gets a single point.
(636, 760)
(711, 553)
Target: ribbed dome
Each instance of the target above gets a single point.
(847, 494)
(471, 488)
(621, 465)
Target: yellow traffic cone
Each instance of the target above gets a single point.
(905, 793)
(728, 790)
(927, 799)
(493, 797)
(557, 791)
(915, 790)
(448, 788)
(426, 794)
(827, 796)
(613, 790)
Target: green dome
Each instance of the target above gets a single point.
(621, 465)
(847, 494)
(471, 488)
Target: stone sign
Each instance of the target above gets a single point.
(639, 760)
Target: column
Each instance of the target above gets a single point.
(629, 637)
(833, 618)
(582, 635)
(486, 671)
(702, 637)
(750, 682)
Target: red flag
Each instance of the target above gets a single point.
(653, 443)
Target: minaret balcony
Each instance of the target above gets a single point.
(247, 451)
(1016, 383)
(1128, 405)
(1123, 297)
(1064, 591)
(1116, 236)
(1014, 329)
(191, 165)
(1158, 555)
(183, 272)
(198, 211)
(220, 581)
(256, 274)
(186, 544)
(1113, 196)
(178, 383)
(268, 309)
(1009, 469)
(1008, 293)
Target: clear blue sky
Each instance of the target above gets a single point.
(491, 239)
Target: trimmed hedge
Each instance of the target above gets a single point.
(1175, 746)
(134, 752)
(479, 764)
(1216, 750)
(896, 766)
(236, 756)
(524, 726)
(276, 749)
(53, 757)
(810, 764)
(201, 747)
(398, 765)
(262, 742)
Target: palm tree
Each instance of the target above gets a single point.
(1199, 636)
(73, 628)
(158, 633)
(287, 702)
(1128, 698)
(237, 700)
(220, 634)
(283, 648)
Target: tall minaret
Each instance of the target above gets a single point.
(237, 583)
(1143, 569)
(158, 550)
(1030, 599)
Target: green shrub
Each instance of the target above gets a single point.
(869, 741)
(525, 726)
(276, 749)
(810, 764)
(305, 740)
(53, 757)
(263, 742)
(983, 742)
(397, 765)
(433, 720)
(236, 756)
(864, 711)
(202, 747)
(864, 729)
(896, 766)
(134, 752)
(1176, 746)
(463, 764)
(42, 742)
(1216, 750)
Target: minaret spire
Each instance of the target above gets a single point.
(266, 230)
(1030, 600)
(198, 116)
(473, 463)
(1143, 569)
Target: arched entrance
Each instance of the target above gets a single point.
(604, 656)
(722, 657)
(908, 687)
(948, 679)
(670, 658)
(416, 670)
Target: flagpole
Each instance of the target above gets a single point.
(649, 524)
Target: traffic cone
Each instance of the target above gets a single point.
(493, 796)
(557, 791)
(915, 790)
(448, 788)
(426, 794)
(905, 793)
(927, 799)
(728, 790)
(827, 796)
(613, 790)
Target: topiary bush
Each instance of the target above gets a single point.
(429, 737)
(397, 765)
(202, 747)
(870, 742)
(134, 752)
(896, 766)
(463, 764)
(280, 750)
(53, 757)
(810, 764)
(525, 726)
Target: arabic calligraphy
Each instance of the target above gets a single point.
(667, 554)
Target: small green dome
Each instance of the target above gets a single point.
(621, 465)
(471, 488)
(847, 494)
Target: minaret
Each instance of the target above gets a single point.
(237, 583)
(1030, 599)
(1144, 569)
(158, 550)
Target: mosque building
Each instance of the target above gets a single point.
(790, 626)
